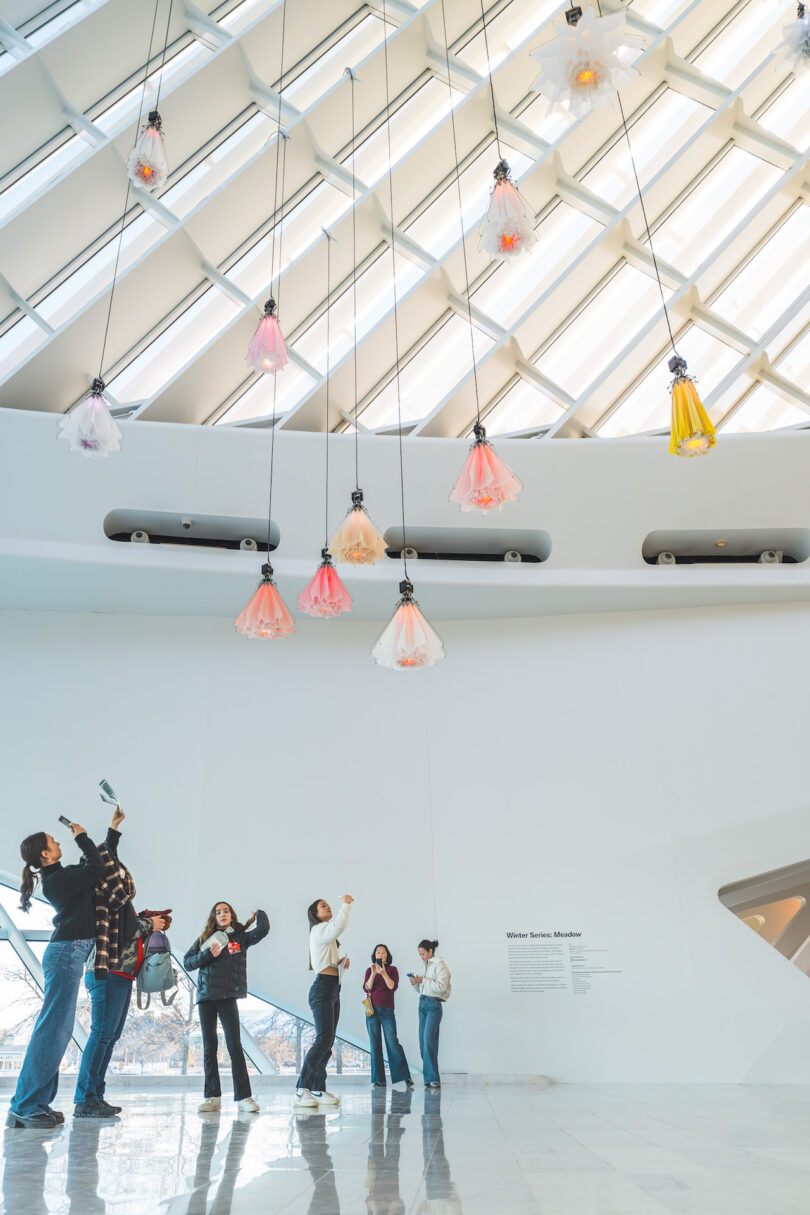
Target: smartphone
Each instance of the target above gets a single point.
(107, 793)
(411, 975)
(66, 821)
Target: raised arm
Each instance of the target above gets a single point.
(330, 930)
(254, 935)
(76, 878)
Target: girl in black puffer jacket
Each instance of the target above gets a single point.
(222, 980)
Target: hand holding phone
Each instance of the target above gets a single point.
(65, 821)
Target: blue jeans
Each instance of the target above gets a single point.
(324, 1000)
(109, 1001)
(62, 967)
(384, 1022)
(430, 1017)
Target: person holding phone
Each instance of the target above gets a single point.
(220, 955)
(381, 981)
(68, 889)
(109, 975)
(324, 998)
(433, 986)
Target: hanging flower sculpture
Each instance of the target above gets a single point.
(265, 615)
(90, 428)
(692, 432)
(147, 164)
(580, 69)
(357, 541)
(794, 49)
(485, 482)
(407, 641)
(325, 595)
(267, 351)
(509, 224)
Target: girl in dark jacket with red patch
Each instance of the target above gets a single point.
(219, 953)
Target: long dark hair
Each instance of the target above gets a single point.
(312, 917)
(429, 946)
(211, 922)
(389, 957)
(31, 850)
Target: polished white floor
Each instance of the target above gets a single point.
(495, 1150)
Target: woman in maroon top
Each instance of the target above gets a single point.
(380, 983)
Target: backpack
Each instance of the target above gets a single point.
(157, 974)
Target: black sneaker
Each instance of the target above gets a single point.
(91, 1109)
(409, 1082)
(377, 1084)
(111, 1109)
(36, 1122)
(58, 1115)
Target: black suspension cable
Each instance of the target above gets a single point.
(394, 276)
(163, 58)
(328, 370)
(126, 201)
(281, 154)
(461, 214)
(489, 74)
(354, 283)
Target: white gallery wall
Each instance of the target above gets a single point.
(570, 767)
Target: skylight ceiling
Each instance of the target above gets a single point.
(569, 339)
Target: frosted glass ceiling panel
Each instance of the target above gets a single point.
(330, 67)
(787, 117)
(727, 57)
(661, 12)
(764, 409)
(410, 123)
(602, 329)
(648, 406)
(508, 29)
(772, 280)
(795, 366)
(284, 390)
(522, 408)
(220, 163)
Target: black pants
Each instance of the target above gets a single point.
(228, 1014)
(324, 1000)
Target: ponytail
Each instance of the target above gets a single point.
(31, 850)
(428, 946)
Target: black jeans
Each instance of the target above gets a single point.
(324, 1000)
(228, 1014)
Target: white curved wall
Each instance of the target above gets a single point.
(603, 773)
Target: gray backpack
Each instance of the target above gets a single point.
(157, 974)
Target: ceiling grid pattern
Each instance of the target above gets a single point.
(570, 339)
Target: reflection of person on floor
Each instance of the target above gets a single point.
(312, 1134)
(236, 1141)
(382, 1179)
(81, 1186)
(441, 1197)
(25, 1161)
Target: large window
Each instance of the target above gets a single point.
(158, 1041)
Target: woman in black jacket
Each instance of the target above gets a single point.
(220, 955)
(67, 888)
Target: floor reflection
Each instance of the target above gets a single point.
(382, 1175)
(25, 1162)
(441, 1195)
(228, 1161)
(314, 1150)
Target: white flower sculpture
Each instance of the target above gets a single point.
(90, 428)
(580, 69)
(794, 49)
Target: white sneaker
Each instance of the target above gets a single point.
(303, 1097)
(400, 1086)
(211, 1105)
(247, 1105)
(325, 1098)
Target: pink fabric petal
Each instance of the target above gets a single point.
(485, 482)
(408, 641)
(509, 225)
(357, 541)
(267, 351)
(265, 615)
(325, 595)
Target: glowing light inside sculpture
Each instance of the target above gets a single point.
(325, 595)
(265, 615)
(794, 49)
(407, 642)
(692, 432)
(485, 482)
(147, 165)
(357, 541)
(90, 428)
(581, 69)
(509, 224)
(267, 351)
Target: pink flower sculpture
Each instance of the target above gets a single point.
(266, 614)
(147, 165)
(407, 641)
(485, 482)
(357, 541)
(267, 351)
(509, 224)
(325, 595)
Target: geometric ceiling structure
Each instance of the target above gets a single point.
(570, 339)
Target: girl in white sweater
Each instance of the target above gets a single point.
(324, 998)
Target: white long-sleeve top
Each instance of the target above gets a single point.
(323, 946)
(436, 981)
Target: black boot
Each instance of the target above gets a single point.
(36, 1122)
(58, 1115)
(111, 1109)
(91, 1109)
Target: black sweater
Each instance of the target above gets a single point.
(67, 888)
(225, 977)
